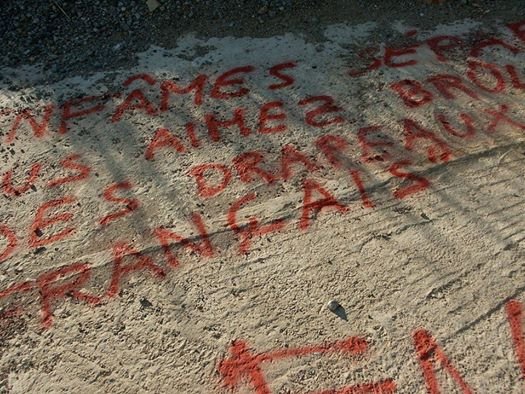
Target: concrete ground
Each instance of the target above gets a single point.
(323, 200)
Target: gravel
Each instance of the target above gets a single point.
(72, 37)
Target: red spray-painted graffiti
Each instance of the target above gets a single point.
(352, 154)
(243, 367)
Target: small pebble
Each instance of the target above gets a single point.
(145, 303)
(333, 305)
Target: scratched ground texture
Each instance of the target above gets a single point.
(180, 226)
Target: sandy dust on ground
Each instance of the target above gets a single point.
(417, 234)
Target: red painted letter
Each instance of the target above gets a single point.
(135, 100)
(203, 188)
(275, 71)
(419, 183)
(367, 54)
(168, 87)
(412, 92)
(333, 147)
(68, 111)
(51, 291)
(439, 49)
(310, 206)
(327, 107)
(445, 83)
(214, 124)
(39, 129)
(369, 147)
(224, 80)
(41, 222)
(70, 162)
(290, 155)
(500, 116)
(467, 120)
(163, 139)
(514, 310)
(266, 116)
(7, 181)
(109, 195)
(252, 229)
(199, 244)
(473, 75)
(121, 250)
(247, 166)
(429, 352)
(12, 241)
(478, 47)
(438, 150)
(514, 77)
(392, 53)
(518, 28)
